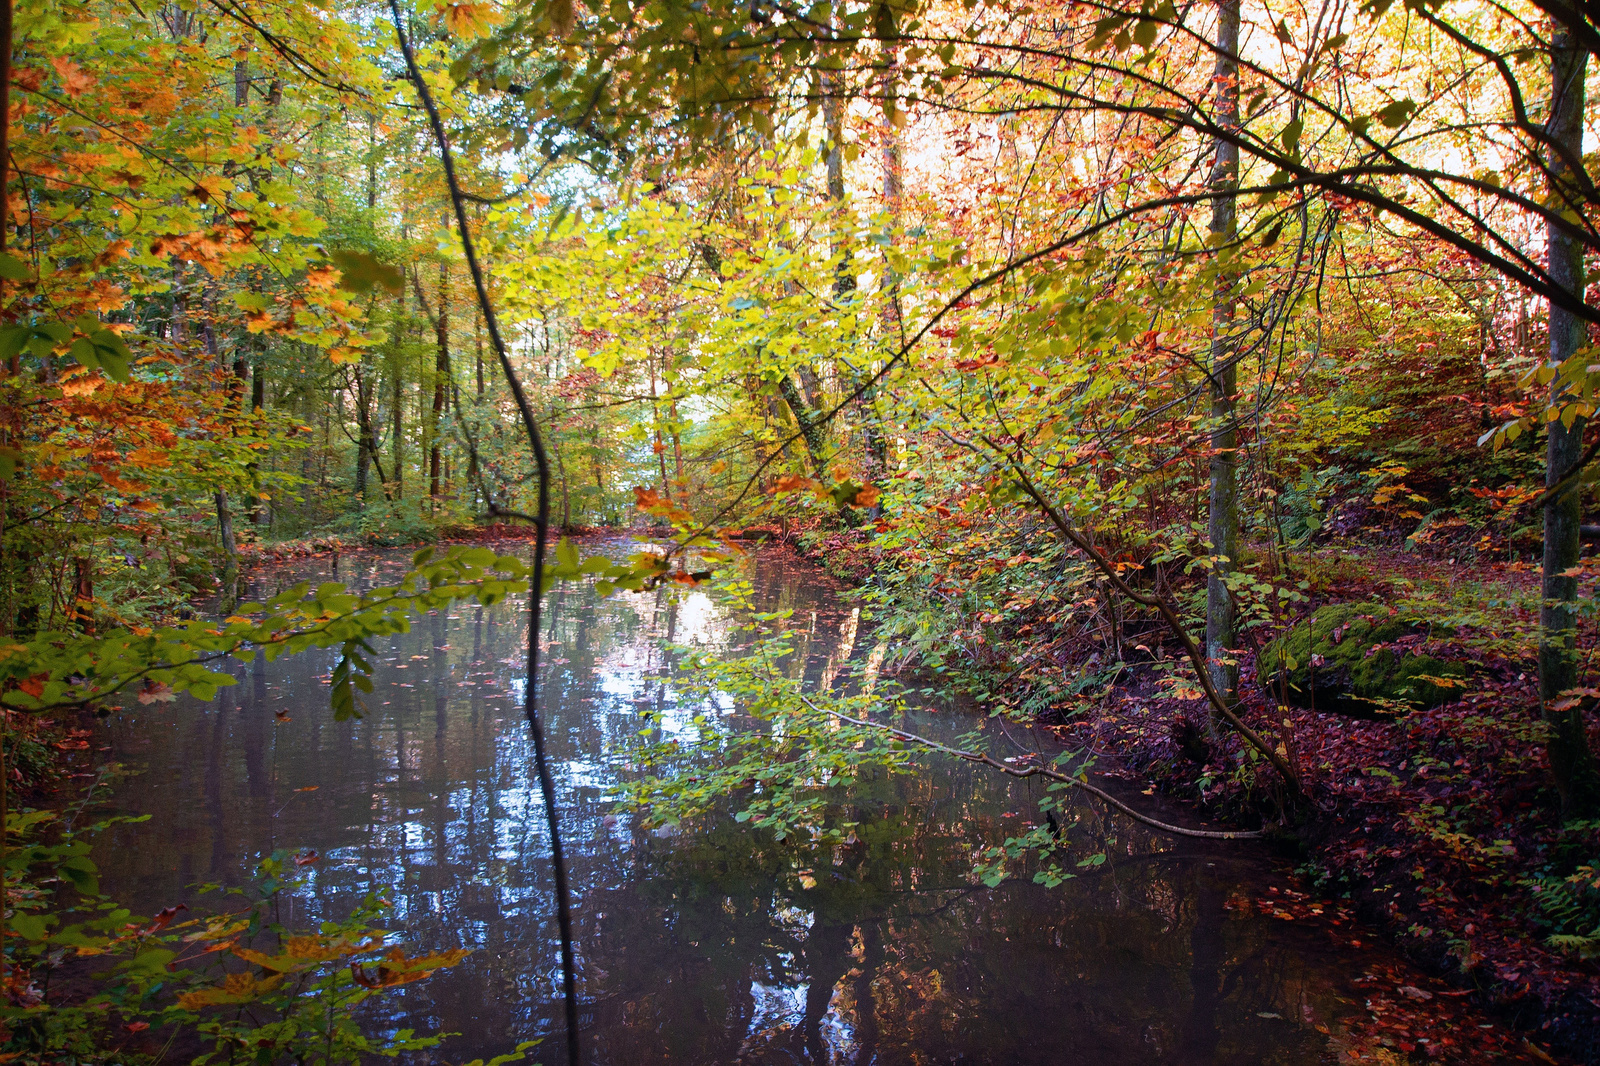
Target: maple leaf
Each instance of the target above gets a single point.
(164, 918)
(149, 457)
(982, 360)
(156, 692)
(795, 483)
(470, 20)
(74, 79)
(29, 78)
(81, 386)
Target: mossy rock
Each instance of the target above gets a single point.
(1364, 661)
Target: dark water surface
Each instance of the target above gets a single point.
(714, 945)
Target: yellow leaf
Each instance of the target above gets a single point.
(235, 988)
(470, 20)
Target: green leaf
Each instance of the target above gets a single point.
(14, 269)
(31, 926)
(84, 351)
(1291, 134)
(567, 556)
(114, 356)
(361, 272)
(1396, 114)
(13, 340)
(152, 960)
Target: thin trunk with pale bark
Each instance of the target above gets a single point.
(1223, 520)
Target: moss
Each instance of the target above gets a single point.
(1346, 658)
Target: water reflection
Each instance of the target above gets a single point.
(716, 944)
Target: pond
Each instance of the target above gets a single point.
(711, 945)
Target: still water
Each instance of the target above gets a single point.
(713, 945)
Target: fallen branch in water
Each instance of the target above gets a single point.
(1040, 771)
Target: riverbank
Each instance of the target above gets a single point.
(1436, 827)
(332, 544)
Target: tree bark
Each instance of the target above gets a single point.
(230, 554)
(1223, 520)
(1572, 762)
(810, 430)
(364, 448)
(258, 403)
(395, 489)
(441, 376)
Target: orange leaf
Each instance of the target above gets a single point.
(73, 78)
(795, 483)
(983, 359)
(149, 457)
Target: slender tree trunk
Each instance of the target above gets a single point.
(660, 444)
(1571, 761)
(230, 547)
(566, 496)
(258, 402)
(397, 443)
(230, 553)
(363, 435)
(876, 442)
(477, 343)
(677, 452)
(1223, 524)
(441, 377)
(82, 613)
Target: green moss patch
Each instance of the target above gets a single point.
(1358, 658)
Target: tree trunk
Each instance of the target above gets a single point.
(230, 554)
(82, 611)
(397, 441)
(363, 436)
(810, 430)
(659, 445)
(566, 497)
(1223, 523)
(258, 401)
(441, 375)
(366, 435)
(1571, 761)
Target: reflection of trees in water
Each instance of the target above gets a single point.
(720, 944)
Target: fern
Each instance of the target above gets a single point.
(1569, 906)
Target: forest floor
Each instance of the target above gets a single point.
(1437, 827)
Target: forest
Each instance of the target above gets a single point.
(990, 527)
